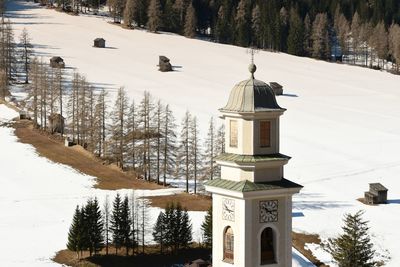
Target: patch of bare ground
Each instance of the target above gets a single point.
(299, 240)
(151, 258)
(47, 145)
(189, 201)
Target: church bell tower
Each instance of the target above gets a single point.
(252, 202)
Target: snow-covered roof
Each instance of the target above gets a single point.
(251, 96)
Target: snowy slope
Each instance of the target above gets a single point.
(342, 127)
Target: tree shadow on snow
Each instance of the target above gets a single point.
(301, 261)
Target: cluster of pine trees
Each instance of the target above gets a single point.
(123, 225)
(173, 229)
(364, 32)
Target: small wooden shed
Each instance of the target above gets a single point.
(277, 88)
(163, 64)
(99, 42)
(377, 194)
(57, 62)
(68, 142)
(23, 115)
(56, 123)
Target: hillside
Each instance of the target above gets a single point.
(342, 127)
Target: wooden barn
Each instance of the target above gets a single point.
(163, 64)
(99, 42)
(377, 194)
(56, 123)
(57, 62)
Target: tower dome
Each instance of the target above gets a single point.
(251, 96)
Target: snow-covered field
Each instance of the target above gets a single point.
(342, 127)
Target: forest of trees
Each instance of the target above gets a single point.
(123, 226)
(356, 31)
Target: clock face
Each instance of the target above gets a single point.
(269, 211)
(228, 209)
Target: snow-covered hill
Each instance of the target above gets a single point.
(342, 127)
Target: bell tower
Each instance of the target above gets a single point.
(252, 201)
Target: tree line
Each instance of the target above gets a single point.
(139, 137)
(357, 32)
(124, 225)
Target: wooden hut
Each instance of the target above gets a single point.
(277, 88)
(99, 42)
(377, 194)
(57, 62)
(56, 123)
(23, 115)
(163, 64)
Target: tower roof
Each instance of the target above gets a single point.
(251, 96)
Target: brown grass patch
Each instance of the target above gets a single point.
(52, 148)
(189, 201)
(299, 241)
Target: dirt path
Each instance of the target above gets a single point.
(108, 176)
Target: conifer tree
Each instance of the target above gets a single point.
(210, 151)
(130, 12)
(256, 26)
(159, 231)
(125, 224)
(242, 23)
(115, 223)
(184, 149)
(296, 34)
(206, 227)
(74, 237)
(307, 45)
(94, 226)
(190, 22)
(354, 247)
(26, 52)
(154, 14)
(320, 37)
(168, 144)
(185, 231)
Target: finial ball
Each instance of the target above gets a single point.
(252, 68)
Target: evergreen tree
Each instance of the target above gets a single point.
(295, 39)
(242, 24)
(159, 231)
(195, 152)
(185, 231)
(115, 223)
(107, 217)
(320, 37)
(74, 237)
(354, 246)
(154, 13)
(307, 45)
(168, 143)
(130, 12)
(125, 224)
(184, 149)
(26, 52)
(206, 227)
(256, 26)
(94, 227)
(190, 22)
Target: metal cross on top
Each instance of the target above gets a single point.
(252, 51)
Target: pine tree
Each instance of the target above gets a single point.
(125, 224)
(130, 12)
(74, 238)
(115, 223)
(154, 13)
(195, 152)
(185, 231)
(26, 52)
(210, 151)
(190, 22)
(184, 149)
(296, 34)
(307, 45)
(168, 144)
(206, 227)
(242, 24)
(94, 226)
(256, 26)
(159, 231)
(354, 247)
(320, 37)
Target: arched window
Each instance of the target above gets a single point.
(267, 246)
(228, 244)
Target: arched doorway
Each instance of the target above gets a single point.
(267, 246)
(228, 244)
